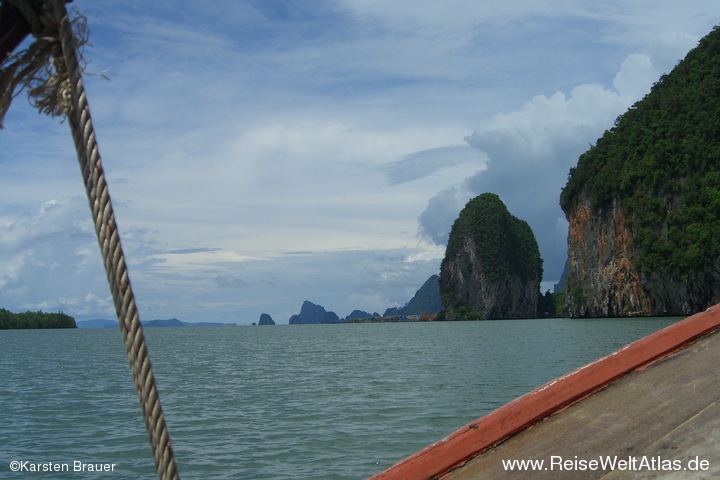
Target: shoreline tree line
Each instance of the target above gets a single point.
(30, 320)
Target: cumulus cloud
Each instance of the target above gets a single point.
(531, 150)
(436, 220)
(529, 154)
(636, 73)
(236, 134)
(50, 260)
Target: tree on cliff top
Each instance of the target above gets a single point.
(661, 161)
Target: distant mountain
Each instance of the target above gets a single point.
(173, 322)
(392, 312)
(311, 313)
(426, 300)
(97, 323)
(209, 324)
(361, 314)
(266, 319)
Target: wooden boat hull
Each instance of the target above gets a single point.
(657, 398)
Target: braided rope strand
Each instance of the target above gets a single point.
(113, 257)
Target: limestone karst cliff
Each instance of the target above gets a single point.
(425, 301)
(312, 313)
(492, 266)
(643, 204)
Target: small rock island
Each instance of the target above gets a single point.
(266, 319)
(492, 267)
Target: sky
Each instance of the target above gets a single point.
(260, 153)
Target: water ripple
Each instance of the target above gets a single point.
(300, 402)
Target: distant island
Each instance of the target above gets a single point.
(171, 322)
(311, 313)
(97, 323)
(30, 320)
(423, 307)
(395, 319)
(265, 319)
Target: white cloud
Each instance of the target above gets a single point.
(640, 70)
(636, 73)
(530, 151)
(234, 134)
(51, 260)
(442, 210)
(542, 129)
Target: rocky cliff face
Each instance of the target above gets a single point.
(492, 268)
(509, 297)
(601, 281)
(602, 277)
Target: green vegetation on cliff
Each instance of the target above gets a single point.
(9, 320)
(491, 250)
(661, 161)
(505, 244)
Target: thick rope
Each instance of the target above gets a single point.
(115, 266)
(72, 100)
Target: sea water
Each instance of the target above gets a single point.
(278, 402)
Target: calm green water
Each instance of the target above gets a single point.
(301, 402)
